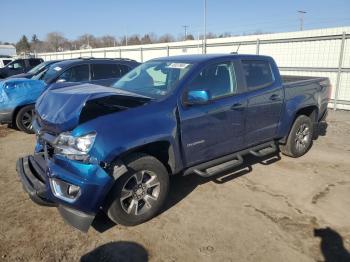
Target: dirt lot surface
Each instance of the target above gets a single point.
(282, 209)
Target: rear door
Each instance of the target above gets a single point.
(214, 129)
(107, 73)
(265, 100)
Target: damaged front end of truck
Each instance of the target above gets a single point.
(66, 169)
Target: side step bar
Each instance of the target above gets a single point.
(264, 151)
(228, 162)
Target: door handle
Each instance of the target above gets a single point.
(237, 106)
(275, 97)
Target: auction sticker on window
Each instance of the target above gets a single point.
(178, 65)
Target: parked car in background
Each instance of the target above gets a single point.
(18, 96)
(4, 60)
(19, 66)
(35, 70)
(112, 149)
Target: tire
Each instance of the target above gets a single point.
(139, 194)
(24, 119)
(300, 137)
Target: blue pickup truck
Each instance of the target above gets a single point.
(112, 149)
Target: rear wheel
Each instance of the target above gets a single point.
(24, 119)
(300, 137)
(139, 194)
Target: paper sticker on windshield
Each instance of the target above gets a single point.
(178, 65)
(57, 68)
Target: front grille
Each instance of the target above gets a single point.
(49, 149)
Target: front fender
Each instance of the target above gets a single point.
(122, 132)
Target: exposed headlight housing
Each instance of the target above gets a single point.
(74, 147)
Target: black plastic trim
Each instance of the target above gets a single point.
(6, 117)
(75, 218)
(35, 188)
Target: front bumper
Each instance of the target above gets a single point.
(6, 117)
(35, 173)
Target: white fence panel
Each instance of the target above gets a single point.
(309, 53)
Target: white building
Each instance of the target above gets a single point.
(7, 50)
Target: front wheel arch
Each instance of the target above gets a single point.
(133, 164)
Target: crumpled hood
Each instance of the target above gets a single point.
(60, 109)
(18, 91)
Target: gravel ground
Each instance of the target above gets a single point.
(279, 209)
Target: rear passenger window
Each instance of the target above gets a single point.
(257, 73)
(34, 62)
(76, 74)
(105, 71)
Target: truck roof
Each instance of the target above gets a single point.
(207, 57)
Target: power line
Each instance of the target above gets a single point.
(185, 27)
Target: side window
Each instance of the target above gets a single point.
(219, 79)
(34, 62)
(105, 71)
(75, 74)
(18, 65)
(257, 73)
(123, 69)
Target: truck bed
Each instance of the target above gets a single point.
(288, 79)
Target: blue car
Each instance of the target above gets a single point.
(18, 95)
(112, 149)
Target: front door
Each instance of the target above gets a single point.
(216, 128)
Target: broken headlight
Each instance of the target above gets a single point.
(74, 147)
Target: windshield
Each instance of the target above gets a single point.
(37, 68)
(51, 72)
(153, 79)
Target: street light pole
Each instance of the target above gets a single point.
(301, 13)
(205, 28)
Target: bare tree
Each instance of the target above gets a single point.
(146, 39)
(190, 37)
(166, 38)
(55, 41)
(87, 41)
(134, 40)
(108, 41)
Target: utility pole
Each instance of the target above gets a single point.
(301, 13)
(185, 27)
(205, 28)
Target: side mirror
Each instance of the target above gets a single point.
(10, 66)
(198, 97)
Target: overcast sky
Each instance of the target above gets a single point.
(100, 17)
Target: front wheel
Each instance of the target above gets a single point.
(24, 119)
(139, 194)
(300, 137)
